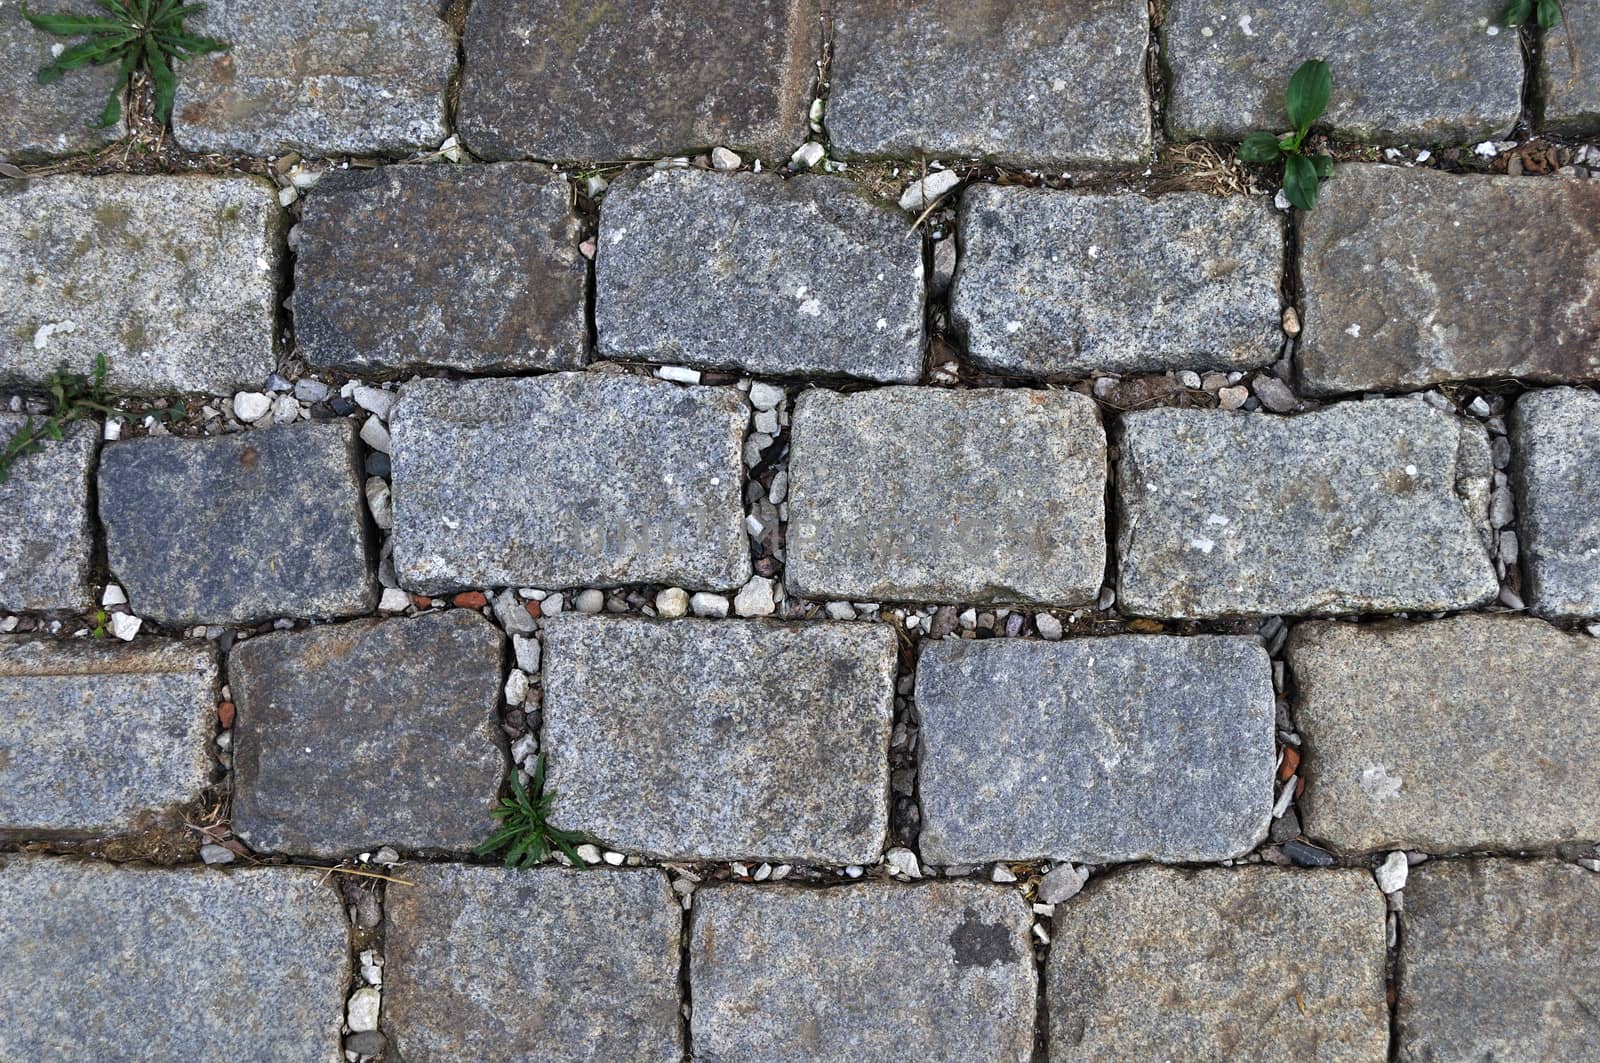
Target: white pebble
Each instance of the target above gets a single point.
(375, 401)
(755, 598)
(765, 396)
(1049, 627)
(375, 435)
(808, 155)
(704, 603)
(394, 600)
(679, 374)
(725, 160)
(614, 859)
(590, 601)
(113, 595)
(672, 603)
(1002, 873)
(251, 406)
(526, 651)
(919, 194)
(362, 1012)
(1391, 874)
(125, 625)
(551, 604)
(589, 854)
(903, 862)
(516, 687)
(840, 611)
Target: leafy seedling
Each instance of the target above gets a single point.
(1307, 97)
(525, 831)
(1546, 12)
(72, 397)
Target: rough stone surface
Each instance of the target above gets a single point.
(940, 971)
(548, 79)
(1426, 72)
(595, 480)
(42, 121)
(1101, 750)
(472, 268)
(1567, 82)
(751, 271)
(1249, 964)
(717, 740)
(1390, 302)
(930, 494)
(1557, 465)
(1053, 83)
(239, 529)
(114, 963)
(1062, 283)
(1497, 961)
(1362, 507)
(545, 964)
(97, 732)
(1469, 732)
(202, 315)
(48, 542)
(326, 78)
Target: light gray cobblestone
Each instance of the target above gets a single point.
(1557, 466)
(47, 549)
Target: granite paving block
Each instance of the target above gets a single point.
(206, 251)
(942, 971)
(1065, 283)
(596, 480)
(1406, 281)
(1568, 61)
(721, 740)
(1556, 465)
(755, 272)
(1242, 964)
(48, 543)
(1361, 507)
(241, 528)
(45, 121)
(1474, 731)
(124, 963)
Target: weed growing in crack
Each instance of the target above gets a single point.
(72, 397)
(1306, 99)
(525, 831)
(1546, 12)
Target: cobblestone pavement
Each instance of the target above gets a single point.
(984, 580)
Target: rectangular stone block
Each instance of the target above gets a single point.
(1065, 283)
(754, 272)
(1361, 507)
(1556, 469)
(1098, 750)
(113, 963)
(1471, 732)
(1567, 63)
(942, 971)
(1252, 965)
(45, 121)
(205, 250)
(1053, 83)
(721, 740)
(96, 733)
(1425, 72)
(926, 494)
(1406, 284)
(596, 480)
(48, 545)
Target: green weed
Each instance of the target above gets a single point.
(72, 397)
(1546, 12)
(525, 831)
(1307, 97)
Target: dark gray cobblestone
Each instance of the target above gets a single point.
(48, 546)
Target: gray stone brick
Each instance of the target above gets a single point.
(44, 121)
(721, 740)
(206, 251)
(48, 545)
(1064, 283)
(352, 736)
(1425, 72)
(1053, 84)
(1568, 61)
(1362, 507)
(117, 963)
(929, 494)
(488, 962)
(472, 268)
(1100, 750)
(1453, 734)
(942, 971)
(1557, 472)
(239, 529)
(694, 266)
(97, 733)
(1390, 303)
(1250, 965)
(596, 480)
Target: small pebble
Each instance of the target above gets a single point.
(1391, 874)
(672, 603)
(755, 598)
(1307, 855)
(590, 601)
(215, 855)
(362, 1012)
(250, 406)
(1062, 883)
(1002, 873)
(725, 160)
(903, 862)
(704, 603)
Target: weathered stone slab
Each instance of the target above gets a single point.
(202, 316)
(106, 962)
(1248, 964)
(1497, 961)
(325, 78)
(546, 79)
(1063, 283)
(48, 542)
(1053, 84)
(595, 480)
(1468, 732)
(804, 276)
(1390, 302)
(1099, 750)
(374, 732)
(471, 268)
(1362, 507)
(42, 121)
(1567, 85)
(938, 971)
(548, 963)
(1557, 474)
(930, 494)
(96, 733)
(713, 740)
(239, 529)
(1428, 72)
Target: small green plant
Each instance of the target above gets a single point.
(72, 397)
(525, 831)
(1518, 12)
(1307, 97)
(137, 35)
